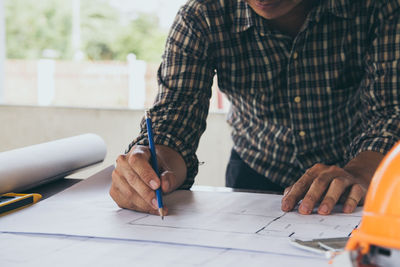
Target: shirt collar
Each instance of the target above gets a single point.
(243, 18)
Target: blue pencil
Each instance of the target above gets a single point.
(154, 162)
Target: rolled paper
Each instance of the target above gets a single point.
(24, 168)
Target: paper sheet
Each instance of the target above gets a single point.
(241, 221)
(30, 166)
(68, 251)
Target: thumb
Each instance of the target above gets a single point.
(168, 182)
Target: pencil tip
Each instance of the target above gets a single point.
(161, 212)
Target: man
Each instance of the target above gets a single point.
(314, 92)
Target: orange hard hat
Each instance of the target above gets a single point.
(380, 224)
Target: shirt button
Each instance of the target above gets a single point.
(302, 133)
(295, 55)
(297, 99)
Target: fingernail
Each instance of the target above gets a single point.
(347, 209)
(155, 203)
(153, 184)
(285, 206)
(305, 209)
(323, 208)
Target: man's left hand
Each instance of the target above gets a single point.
(329, 184)
(333, 184)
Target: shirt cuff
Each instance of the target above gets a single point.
(381, 144)
(191, 161)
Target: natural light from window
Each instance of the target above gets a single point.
(86, 53)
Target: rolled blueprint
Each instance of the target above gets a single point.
(26, 167)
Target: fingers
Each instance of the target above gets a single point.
(168, 178)
(336, 189)
(344, 196)
(126, 197)
(315, 193)
(355, 197)
(287, 190)
(167, 182)
(301, 187)
(296, 192)
(136, 182)
(329, 183)
(139, 162)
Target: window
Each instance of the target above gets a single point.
(86, 53)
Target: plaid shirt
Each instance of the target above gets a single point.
(324, 96)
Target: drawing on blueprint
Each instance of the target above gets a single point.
(242, 219)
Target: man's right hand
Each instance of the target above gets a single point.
(134, 181)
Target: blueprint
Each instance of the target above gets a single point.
(218, 220)
(67, 251)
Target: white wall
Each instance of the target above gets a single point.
(28, 125)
